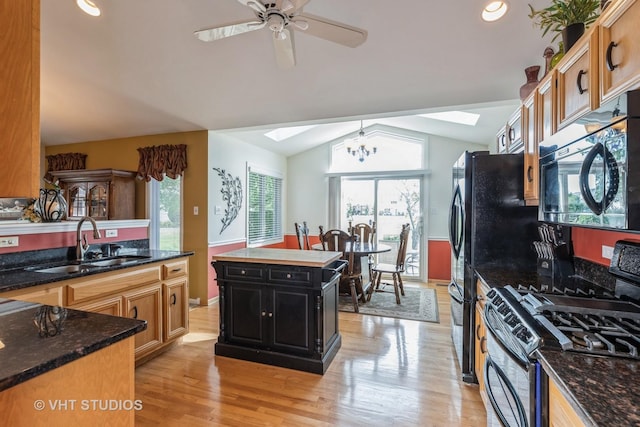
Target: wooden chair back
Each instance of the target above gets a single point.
(338, 240)
(402, 247)
(365, 232)
(302, 233)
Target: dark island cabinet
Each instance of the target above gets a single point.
(279, 315)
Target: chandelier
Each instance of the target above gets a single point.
(359, 149)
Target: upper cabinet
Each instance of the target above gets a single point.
(546, 122)
(529, 137)
(509, 137)
(501, 140)
(578, 79)
(101, 193)
(20, 93)
(619, 49)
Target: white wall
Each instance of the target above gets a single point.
(308, 185)
(232, 155)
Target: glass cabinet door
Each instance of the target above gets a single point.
(77, 199)
(98, 199)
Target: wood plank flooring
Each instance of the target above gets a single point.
(388, 372)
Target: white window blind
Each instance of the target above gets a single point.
(264, 207)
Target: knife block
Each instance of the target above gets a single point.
(555, 268)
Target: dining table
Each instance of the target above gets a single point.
(363, 251)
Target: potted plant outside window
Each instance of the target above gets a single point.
(568, 18)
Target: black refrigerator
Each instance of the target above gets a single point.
(489, 226)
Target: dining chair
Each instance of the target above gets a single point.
(365, 232)
(395, 270)
(302, 233)
(351, 277)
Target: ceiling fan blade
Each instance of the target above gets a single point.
(254, 4)
(211, 34)
(333, 31)
(298, 4)
(283, 47)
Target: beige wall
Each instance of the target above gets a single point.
(123, 154)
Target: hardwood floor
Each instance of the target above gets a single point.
(388, 372)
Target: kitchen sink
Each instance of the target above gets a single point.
(73, 268)
(124, 259)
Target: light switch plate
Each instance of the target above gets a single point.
(9, 241)
(111, 233)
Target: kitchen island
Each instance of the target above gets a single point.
(77, 369)
(279, 307)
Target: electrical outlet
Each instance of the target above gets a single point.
(607, 252)
(195, 210)
(9, 241)
(218, 210)
(111, 233)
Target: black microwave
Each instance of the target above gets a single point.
(590, 170)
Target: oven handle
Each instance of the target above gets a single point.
(511, 390)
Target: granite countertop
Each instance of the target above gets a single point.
(603, 390)
(280, 256)
(18, 277)
(25, 355)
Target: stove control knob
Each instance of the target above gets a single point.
(491, 293)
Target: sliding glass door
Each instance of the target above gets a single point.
(390, 202)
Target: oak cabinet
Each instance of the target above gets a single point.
(502, 143)
(619, 49)
(53, 294)
(531, 157)
(100, 193)
(480, 342)
(145, 303)
(578, 80)
(110, 305)
(546, 106)
(561, 414)
(514, 132)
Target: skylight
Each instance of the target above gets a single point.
(284, 133)
(460, 117)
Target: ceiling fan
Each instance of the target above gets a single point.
(280, 16)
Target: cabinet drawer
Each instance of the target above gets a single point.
(289, 276)
(174, 269)
(240, 272)
(91, 287)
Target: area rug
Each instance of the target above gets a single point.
(417, 304)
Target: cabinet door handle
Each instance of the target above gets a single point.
(483, 347)
(288, 275)
(581, 90)
(610, 65)
(176, 270)
(530, 173)
(270, 314)
(135, 312)
(173, 299)
(512, 134)
(503, 138)
(264, 313)
(478, 332)
(243, 272)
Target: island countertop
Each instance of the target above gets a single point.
(24, 354)
(280, 256)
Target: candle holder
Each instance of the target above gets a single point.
(51, 206)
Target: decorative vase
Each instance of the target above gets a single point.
(571, 34)
(532, 81)
(558, 56)
(50, 206)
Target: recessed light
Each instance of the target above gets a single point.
(88, 7)
(494, 11)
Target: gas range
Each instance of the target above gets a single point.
(575, 315)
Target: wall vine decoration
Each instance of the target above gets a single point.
(232, 194)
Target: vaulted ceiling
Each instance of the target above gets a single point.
(138, 70)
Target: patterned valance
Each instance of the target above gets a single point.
(160, 160)
(63, 162)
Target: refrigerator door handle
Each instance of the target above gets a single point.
(455, 234)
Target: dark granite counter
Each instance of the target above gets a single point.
(496, 277)
(18, 277)
(24, 354)
(604, 391)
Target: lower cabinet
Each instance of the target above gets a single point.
(145, 303)
(278, 315)
(561, 414)
(480, 342)
(157, 293)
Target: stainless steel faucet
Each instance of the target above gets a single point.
(81, 239)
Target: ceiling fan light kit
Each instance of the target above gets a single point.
(88, 7)
(280, 16)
